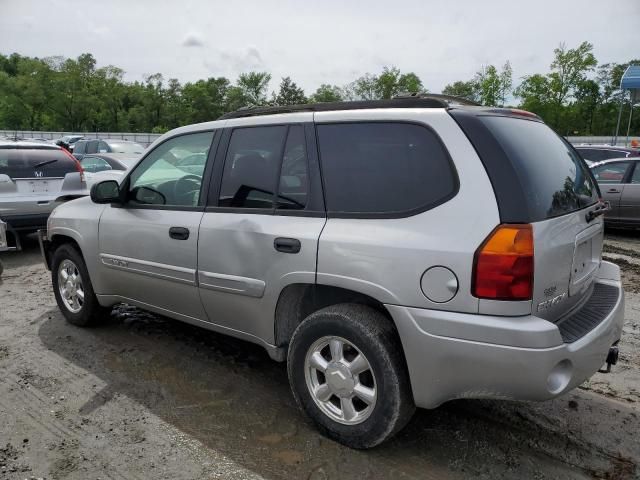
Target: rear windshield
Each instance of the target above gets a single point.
(555, 179)
(35, 162)
(126, 147)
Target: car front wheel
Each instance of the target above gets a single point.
(72, 288)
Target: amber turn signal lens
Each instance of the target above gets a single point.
(503, 265)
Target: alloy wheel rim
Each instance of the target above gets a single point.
(340, 380)
(70, 286)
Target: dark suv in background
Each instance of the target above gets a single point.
(87, 146)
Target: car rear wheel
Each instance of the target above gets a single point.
(348, 374)
(73, 290)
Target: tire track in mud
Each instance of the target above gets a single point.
(37, 407)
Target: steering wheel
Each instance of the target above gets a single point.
(187, 186)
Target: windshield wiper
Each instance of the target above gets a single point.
(46, 162)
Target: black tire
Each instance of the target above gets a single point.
(91, 312)
(1, 268)
(373, 334)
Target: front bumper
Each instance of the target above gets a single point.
(449, 355)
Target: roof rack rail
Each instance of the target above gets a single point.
(399, 101)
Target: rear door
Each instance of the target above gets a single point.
(260, 232)
(611, 177)
(630, 198)
(541, 180)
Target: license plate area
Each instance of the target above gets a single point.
(38, 186)
(586, 259)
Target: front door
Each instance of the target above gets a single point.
(630, 199)
(261, 231)
(148, 246)
(611, 177)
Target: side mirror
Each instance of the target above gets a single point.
(107, 191)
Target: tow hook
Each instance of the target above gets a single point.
(612, 359)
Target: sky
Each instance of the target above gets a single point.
(317, 42)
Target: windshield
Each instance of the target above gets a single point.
(126, 147)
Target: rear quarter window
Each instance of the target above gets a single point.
(554, 178)
(35, 163)
(383, 169)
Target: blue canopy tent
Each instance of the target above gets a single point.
(630, 81)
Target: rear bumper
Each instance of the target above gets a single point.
(449, 355)
(30, 221)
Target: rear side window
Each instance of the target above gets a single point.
(266, 168)
(383, 168)
(554, 179)
(35, 163)
(610, 172)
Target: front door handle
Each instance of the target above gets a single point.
(287, 245)
(613, 190)
(179, 233)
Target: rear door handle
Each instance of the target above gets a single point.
(179, 233)
(287, 245)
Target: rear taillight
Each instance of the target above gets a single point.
(503, 265)
(77, 163)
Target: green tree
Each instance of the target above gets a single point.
(568, 69)
(253, 87)
(327, 93)
(289, 93)
(468, 90)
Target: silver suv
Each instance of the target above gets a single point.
(395, 253)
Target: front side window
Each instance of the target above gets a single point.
(610, 172)
(158, 179)
(383, 168)
(94, 164)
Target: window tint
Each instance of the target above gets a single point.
(158, 180)
(610, 172)
(294, 176)
(554, 178)
(79, 147)
(636, 173)
(35, 163)
(383, 167)
(92, 146)
(251, 167)
(94, 164)
(125, 147)
(103, 147)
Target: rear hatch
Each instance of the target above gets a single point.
(33, 171)
(539, 179)
(33, 179)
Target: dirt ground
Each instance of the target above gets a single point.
(146, 397)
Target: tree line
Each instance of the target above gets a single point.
(577, 96)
